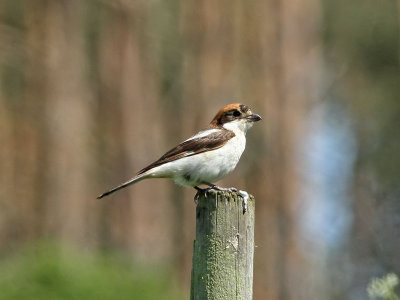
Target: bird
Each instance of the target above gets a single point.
(207, 156)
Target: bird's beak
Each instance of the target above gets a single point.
(254, 117)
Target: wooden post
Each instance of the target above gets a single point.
(223, 251)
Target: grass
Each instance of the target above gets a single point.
(45, 272)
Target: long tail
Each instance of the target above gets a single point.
(125, 184)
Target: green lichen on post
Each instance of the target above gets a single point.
(224, 247)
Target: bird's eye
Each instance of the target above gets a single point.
(236, 113)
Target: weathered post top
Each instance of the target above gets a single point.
(224, 247)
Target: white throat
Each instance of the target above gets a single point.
(238, 126)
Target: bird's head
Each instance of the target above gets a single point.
(235, 117)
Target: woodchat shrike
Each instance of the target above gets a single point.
(207, 156)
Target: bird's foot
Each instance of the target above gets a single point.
(200, 190)
(240, 193)
(218, 188)
(231, 189)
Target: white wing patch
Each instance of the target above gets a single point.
(202, 134)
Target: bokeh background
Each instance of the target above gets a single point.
(91, 91)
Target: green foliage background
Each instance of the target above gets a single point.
(45, 271)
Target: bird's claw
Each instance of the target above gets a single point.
(199, 190)
(231, 189)
(240, 193)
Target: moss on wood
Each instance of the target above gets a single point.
(224, 247)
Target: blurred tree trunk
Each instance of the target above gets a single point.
(69, 117)
(22, 137)
(300, 40)
(285, 55)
